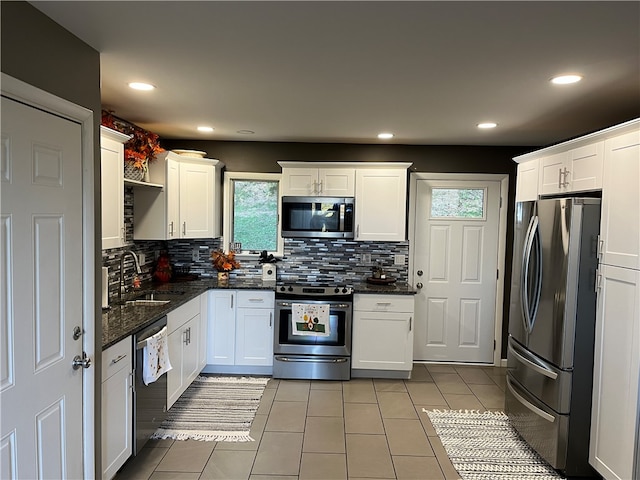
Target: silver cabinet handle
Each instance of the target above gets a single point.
(410, 323)
(171, 229)
(122, 234)
(118, 358)
(231, 301)
(559, 178)
(184, 228)
(261, 300)
(270, 319)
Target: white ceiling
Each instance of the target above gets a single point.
(337, 71)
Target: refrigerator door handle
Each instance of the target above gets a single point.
(535, 364)
(541, 413)
(529, 311)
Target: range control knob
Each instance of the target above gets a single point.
(344, 290)
(290, 288)
(282, 289)
(336, 290)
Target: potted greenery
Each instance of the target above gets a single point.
(224, 263)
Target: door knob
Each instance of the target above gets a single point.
(419, 285)
(81, 361)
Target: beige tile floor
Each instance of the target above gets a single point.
(360, 429)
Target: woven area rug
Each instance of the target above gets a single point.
(217, 409)
(484, 446)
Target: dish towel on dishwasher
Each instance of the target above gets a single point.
(156, 357)
(310, 319)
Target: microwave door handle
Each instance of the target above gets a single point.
(342, 210)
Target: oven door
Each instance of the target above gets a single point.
(336, 343)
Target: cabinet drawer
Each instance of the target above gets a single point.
(182, 314)
(383, 303)
(117, 357)
(255, 299)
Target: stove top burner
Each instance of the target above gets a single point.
(314, 290)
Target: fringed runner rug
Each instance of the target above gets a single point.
(484, 446)
(219, 409)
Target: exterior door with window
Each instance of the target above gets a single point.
(455, 262)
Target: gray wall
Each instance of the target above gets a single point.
(38, 51)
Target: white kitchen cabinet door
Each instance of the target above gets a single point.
(117, 407)
(299, 181)
(336, 182)
(254, 336)
(382, 337)
(381, 204)
(183, 325)
(196, 200)
(620, 222)
(527, 181)
(552, 173)
(614, 414)
(112, 171)
(222, 327)
(323, 182)
(175, 375)
(576, 170)
(188, 206)
(203, 332)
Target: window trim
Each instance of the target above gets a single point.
(229, 177)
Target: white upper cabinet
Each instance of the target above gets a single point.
(112, 171)
(301, 179)
(527, 181)
(620, 222)
(188, 206)
(576, 170)
(381, 202)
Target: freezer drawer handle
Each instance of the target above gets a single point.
(530, 406)
(311, 359)
(538, 368)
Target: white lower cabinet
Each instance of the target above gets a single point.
(382, 337)
(183, 325)
(117, 406)
(614, 417)
(240, 330)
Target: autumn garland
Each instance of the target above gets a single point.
(143, 146)
(224, 262)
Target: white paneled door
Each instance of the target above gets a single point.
(41, 286)
(455, 269)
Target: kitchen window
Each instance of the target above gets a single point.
(251, 212)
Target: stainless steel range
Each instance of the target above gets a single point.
(312, 332)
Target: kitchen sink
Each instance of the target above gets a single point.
(153, 298)
(146, 303)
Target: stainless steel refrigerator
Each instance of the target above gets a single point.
(551, 329)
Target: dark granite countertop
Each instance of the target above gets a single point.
(120, 321)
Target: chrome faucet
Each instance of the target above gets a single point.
(123, 288)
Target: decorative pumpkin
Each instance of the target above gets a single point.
(163, 270)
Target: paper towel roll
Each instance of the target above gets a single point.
(105, 287)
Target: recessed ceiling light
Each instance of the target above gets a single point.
(205, 129)
(246, 132)
(141, 86)
(385, 136)
(486, 125)
(566, 79)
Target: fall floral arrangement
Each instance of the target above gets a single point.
(224, 262)
(143, 145)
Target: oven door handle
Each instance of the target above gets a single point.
(311, 359)
(333, 306)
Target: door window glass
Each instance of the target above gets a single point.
(467, 203)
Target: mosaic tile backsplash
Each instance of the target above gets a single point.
(305, 260)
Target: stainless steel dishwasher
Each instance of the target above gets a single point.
(149, 401)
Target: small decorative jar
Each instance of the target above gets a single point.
(223, 278)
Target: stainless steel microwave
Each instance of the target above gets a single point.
(317, 217)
